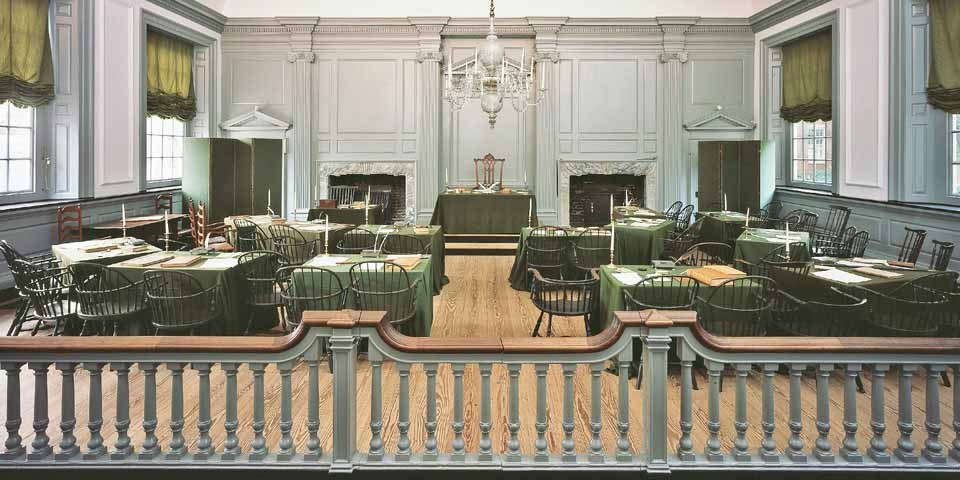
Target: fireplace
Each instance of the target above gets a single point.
(641, 175)
(395, 185)
(590, 196)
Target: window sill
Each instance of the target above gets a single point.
(812, 191)
(941, 208)
(17, 207)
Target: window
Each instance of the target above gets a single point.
(164, 149)
(16, 149)
(812, 153)
(954, 154)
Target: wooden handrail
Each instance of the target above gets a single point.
(347, 319)
(832, 345)
(169, 344)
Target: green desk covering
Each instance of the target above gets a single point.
(424, 301)
(480, 213)
(611, 291)
(221, 269)
(438, 261)
(349, 216)
(69, 253)
(715, 223)
(637, 243)
(753, 244)
(813, 284)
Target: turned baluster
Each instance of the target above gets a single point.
(768, 446)
(795, 443)
(13, 446)
(122, 448)
(822, 448)
(849, 450)
(403, 421)
(932, 447)
(486, 445)
(430, 452)
(40, 447)
(513, 445)
(712, 451)
(258, 447)
(906, 449)
(231, 445)
(95, 446)
(313, 403)
(624, 455)
(375, 452)
(458, 454)
(596, 422)
(878, 446)
(68, 417)
(740, 451)
(541, 454)
(286, 448)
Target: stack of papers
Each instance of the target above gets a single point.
(219, 263)
(147, 260)
(840, 276)
(628, 278)
(870, 261)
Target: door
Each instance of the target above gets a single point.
(708, 175)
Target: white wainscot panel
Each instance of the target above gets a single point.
(324, 95)
(607, 96)
(367, 146)
(367, 96)
(258, 81)
(117, 116)
(717, 82)
(608, 146)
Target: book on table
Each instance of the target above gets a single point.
(180, 262)
(714, 275)
(147, 260)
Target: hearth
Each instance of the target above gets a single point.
(590, 196)
(394, 184)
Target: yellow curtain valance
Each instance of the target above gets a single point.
(807, 79)
(943, 82)
(170, 77)
(26, 64)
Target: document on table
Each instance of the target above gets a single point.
(848, 263)
(628, 278)
(840, 276)
(217, 263)
(326, 261)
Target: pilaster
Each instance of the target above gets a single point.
(547, 58)
(673, 166)
(428, 122)
(300, 165)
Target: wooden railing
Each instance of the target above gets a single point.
(338, 334)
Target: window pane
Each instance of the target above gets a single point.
(829, 176)
(808, 150)
(20, 139)
(797, 170)
(177, 146)
(3, 175)
(4, 135)
(167, 146)
(177, 167)
(21, 117)
(797, 130)
(179, 128)
(21, 178)
(807, 129)
(156, 172)
(167, 167)
(956, 179)
(168, 126)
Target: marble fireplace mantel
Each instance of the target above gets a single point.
(408, 170)
(571, 168)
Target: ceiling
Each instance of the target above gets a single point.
(478, 8)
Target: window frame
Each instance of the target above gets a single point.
(953, 156)
(785, 137)
(167, 182)
(789, 180)
(156, 22)
(39, 152)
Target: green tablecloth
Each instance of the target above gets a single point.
(753, 244)
(636, 244)
(221, 268)
(716, 223)
(349, 216)
(70, 253)
(478, 213)
(813, 284)
(424, 302)
(310, 231)
(438, 262)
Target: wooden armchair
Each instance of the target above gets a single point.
(216, 231)
(486, 171)
(69, 224)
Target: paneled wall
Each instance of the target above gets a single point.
(118, 90)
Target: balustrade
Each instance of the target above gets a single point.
(458, 430)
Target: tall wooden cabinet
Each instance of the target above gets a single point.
(232, 176)
(743, 171)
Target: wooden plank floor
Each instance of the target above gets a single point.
(479, 302)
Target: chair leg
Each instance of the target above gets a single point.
(23, 308)
(859, 381)
(639, 376)
(721, 381)
(536, 329)
(586, 324)
(945, 378)
(550, 325)
(693, 378)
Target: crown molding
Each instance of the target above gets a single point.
(727, 123)
(781, 11)
(195, 11)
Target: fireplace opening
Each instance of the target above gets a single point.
(590, 196)
(395, 185)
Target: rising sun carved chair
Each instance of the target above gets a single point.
(489, 170)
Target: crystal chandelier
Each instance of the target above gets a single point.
(490, 77)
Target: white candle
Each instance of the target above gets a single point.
(747, 224)
(268, 199)
(613, 231)
(366, 208)
(326, 234)
(316, 192)
(725, 203)
(446, 176)
(530, 213)
(123, 214)
(611, 207)
(626, 197)
(166, 223)
(206, 241)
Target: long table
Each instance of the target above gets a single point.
(423, 321)
(349, 216)
(637, 242)
(433, 237)
(716, 224)
(484, 213)
(222, 269)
